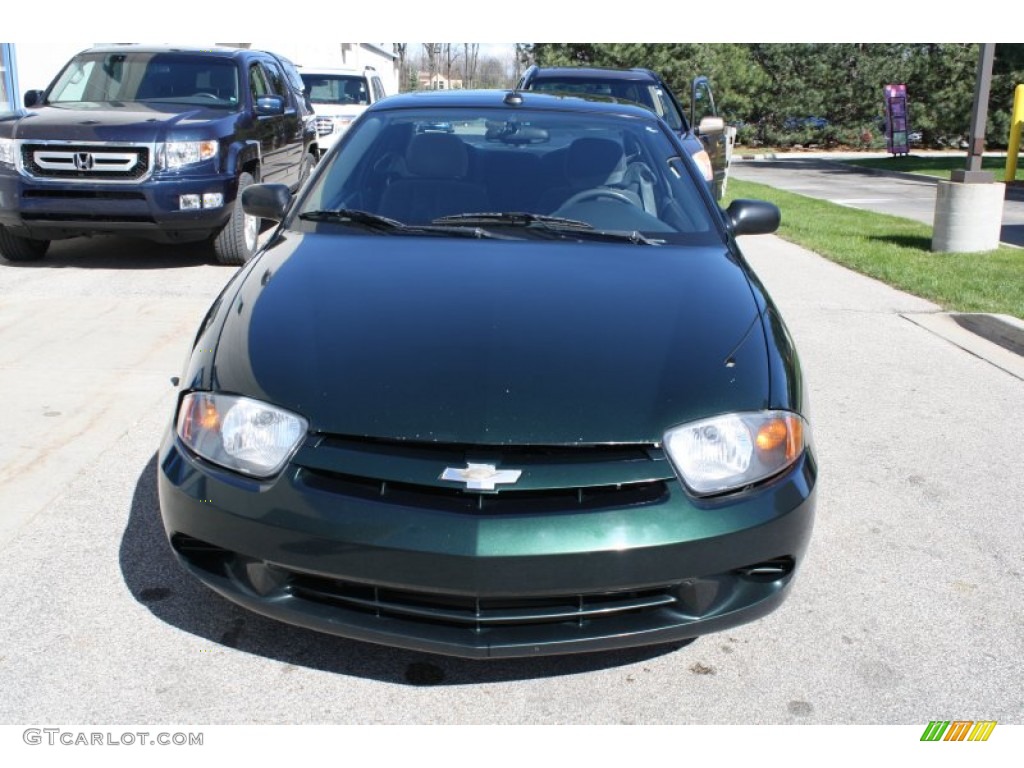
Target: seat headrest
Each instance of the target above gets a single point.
(592, 162)
(437, 156)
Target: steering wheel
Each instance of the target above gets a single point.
(597, 193)
(205, 95)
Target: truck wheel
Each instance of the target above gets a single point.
(15, 248)
(236, 243)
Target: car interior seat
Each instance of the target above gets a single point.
(437, 164)
(590, 164)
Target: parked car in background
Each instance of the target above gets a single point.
(703, 133)
(152, 142)
(338, 97)
(800, 123)
(502, 390)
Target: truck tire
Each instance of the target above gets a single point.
(236, 243)
(15, 248)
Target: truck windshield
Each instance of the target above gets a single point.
(643, 93)
(336, 89)
(147, 77)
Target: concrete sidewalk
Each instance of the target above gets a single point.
(998, 339)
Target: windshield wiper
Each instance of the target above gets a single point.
(557, 225)
(377, 223)
(516, 218)
(353, 216)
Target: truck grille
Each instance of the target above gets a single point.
(324, 126)
(86, 162)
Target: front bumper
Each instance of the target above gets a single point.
(653, 569)
(57, 209)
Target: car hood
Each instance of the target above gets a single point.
(494, 342)
(111, 121)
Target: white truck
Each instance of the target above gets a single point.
(339, 96)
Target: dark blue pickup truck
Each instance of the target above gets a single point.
(152, 142)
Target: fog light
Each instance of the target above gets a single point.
(213, 200)
(188, 202)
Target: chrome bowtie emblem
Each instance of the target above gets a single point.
(481, 477)
(83, 161)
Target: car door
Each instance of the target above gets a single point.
(280, 135)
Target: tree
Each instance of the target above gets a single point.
(399, 50)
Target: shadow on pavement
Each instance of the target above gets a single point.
(157, 581)
(112, 252)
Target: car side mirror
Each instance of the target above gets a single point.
(34, 98)
(269, 105)
(266, 201)
(753, 217)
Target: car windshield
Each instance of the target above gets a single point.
(647, 94)
(562, 171)
(147, 77)
(336, 89)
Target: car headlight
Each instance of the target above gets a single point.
(239, 433)
(7, 152)
(736, 449)
(175, 154)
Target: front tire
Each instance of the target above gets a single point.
(15, 248)
(236, 243)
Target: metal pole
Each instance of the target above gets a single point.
(979, 116)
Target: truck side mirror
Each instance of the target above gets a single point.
(711, 124)
(269, 105)
(34, 98)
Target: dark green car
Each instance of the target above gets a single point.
(504, 390)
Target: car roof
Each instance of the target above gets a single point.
(606, 73)
(305, 70)
(512, 99)
(222, 51)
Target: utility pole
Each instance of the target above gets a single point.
(979, 119)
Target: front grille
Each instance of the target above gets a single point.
(479, 613)
(505, 502)
(86, 162)
(553, 478)
(324, 126)
(83, 194)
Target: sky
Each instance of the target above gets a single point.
(551, 21)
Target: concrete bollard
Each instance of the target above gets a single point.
(968, 217)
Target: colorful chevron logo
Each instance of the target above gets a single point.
(958, 730)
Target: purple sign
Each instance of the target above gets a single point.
(897, 127)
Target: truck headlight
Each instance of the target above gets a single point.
(8, 151)
(175, 154)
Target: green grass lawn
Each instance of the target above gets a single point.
(940, 166)
(898, 252)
